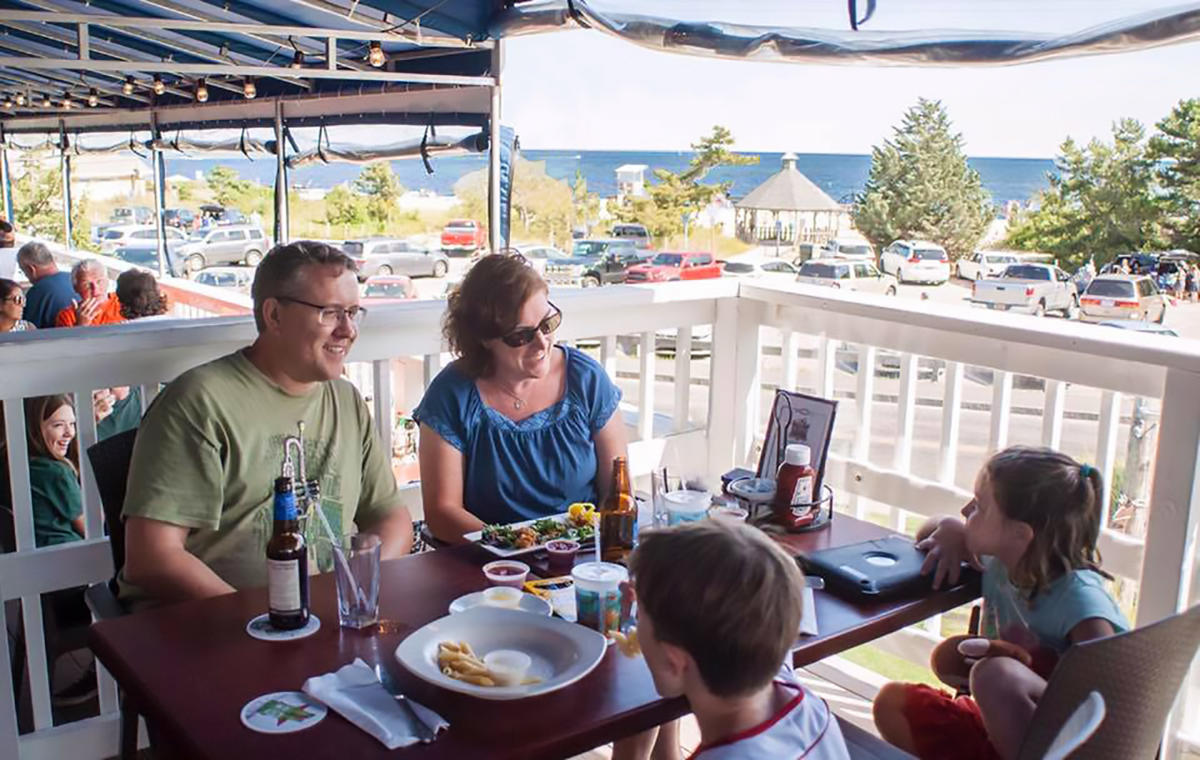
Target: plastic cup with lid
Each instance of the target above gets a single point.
(598, 595)
(687, 506)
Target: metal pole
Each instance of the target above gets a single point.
(494, 151)
(281, 220)
(160, 201)
(6, 183)
(66, 180)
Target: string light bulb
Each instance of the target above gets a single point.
(20, 99)
(249, 90)
(66, 102)
(93, 98)
(298, 60)
(127, 88)
(159, 87)
(8, 104)
(375, 56)
(46, 102)
(201, 91)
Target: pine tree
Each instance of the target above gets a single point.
(1176, 152)
(920, 186)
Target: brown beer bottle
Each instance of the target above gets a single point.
(287, 563)
(618, 516)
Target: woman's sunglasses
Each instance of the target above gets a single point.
(523, 336)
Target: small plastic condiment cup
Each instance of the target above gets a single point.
(562, 553)
(502, 596)
(686, 506)
(728, 512)
(506, 572)
(507, 666)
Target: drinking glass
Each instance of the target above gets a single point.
(357, 574)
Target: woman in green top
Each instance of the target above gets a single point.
(53, 470)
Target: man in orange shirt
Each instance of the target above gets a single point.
(98, 307)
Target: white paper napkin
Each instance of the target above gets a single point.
(808, 621)
(355, 693)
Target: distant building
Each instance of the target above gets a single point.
(109, 176)
(789, 208)
(631, 181)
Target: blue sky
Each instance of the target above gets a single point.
(582, 89)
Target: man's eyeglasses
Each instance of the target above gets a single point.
(331, 315)
(17, 298)
(523, 336)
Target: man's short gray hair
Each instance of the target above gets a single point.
(36, 253)
(84, 266)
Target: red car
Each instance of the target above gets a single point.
(676, 266)
(463, 236)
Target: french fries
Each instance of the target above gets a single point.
(458, 661)
(628, 643)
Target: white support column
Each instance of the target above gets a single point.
(1052, 413)
(1171, 534)
(906, 409)
(646, 369)
(608, 355)
(494, 150)
(951, 415)
(385, 415)
(93, 513)
(433, 365)
(791, 351)
(331, 55)
(1106, 443)
(733, 392)
(1001, 410)
(826, 364)
(864, 395)
(683, 379)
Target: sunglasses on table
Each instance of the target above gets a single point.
(523, 336)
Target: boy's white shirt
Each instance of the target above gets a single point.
(805, 728)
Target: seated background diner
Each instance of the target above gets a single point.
(516, 427)
(12, 308)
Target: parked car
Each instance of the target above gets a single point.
(675, 266)
(179, 217)
(1029, 288)
(126, 234)
(387, 289)
(916, 261)
(216, 214)
(132, 215)
(593, 263)
(768, 270)
(847, 274)
(635, 232)
(463, 236)
(145, 254)
(537, 255)
(847, 248)
(982, 264)
(393, 256)
(235, 244)
(1150, 328)
(238, 278)
(1122, 296)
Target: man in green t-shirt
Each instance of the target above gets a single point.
(198, 507)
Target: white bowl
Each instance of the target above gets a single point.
(560, 653)
(527, 603)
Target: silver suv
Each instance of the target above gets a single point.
(231, 244)
(384, 256)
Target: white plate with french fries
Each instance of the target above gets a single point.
(450, 652)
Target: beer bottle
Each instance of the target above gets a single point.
(287, 563)
(618, 516)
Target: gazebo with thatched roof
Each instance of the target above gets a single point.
(788, 208)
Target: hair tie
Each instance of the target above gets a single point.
(1086, 470)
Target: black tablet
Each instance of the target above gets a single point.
(883, 567)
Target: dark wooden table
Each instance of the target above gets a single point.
(190, 667)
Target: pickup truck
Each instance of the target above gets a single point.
(676, 266)
(593, 263)
(1029, 288)
(463, 236)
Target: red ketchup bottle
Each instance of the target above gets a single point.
(794, 483)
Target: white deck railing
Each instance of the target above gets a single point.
(700, 414)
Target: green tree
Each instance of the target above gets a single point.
(382, 189)
(675, 195)
(225, 184)
(344, 207)
(38, 203)
(1102, 201)
(585, 205)
(541, 205)
(1175, 149)
(920, 185)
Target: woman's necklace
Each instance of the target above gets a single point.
(518, 402)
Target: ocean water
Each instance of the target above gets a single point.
(841, 176)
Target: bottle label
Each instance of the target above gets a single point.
(283, 585)
(803, 493)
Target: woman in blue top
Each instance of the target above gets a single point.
(517, 427)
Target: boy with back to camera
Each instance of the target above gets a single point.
(719, 607)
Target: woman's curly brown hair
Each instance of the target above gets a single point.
(139, 295)
(484, 306)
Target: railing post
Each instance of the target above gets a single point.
(384, 404)
(683, 379)
(1052, 413)
(826, 364)
(864, 399)
(791, 349)
(1002, 383)
(951, 415)
(902, 460)
(733, 396)
(1106, 444)
(1174, 502)
(646, 361)
(608, 355)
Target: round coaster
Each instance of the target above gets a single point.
(282, 712)
(260, 628)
